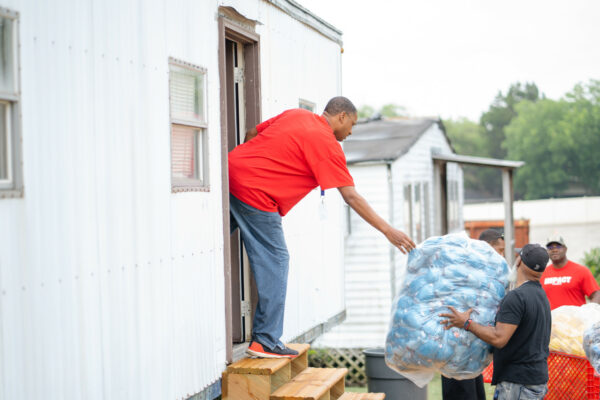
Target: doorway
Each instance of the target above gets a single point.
(240, 111)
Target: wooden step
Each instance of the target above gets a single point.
(257, 378)
(362, 396)
(313, 384)
(299, 363)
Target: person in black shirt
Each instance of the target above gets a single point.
(472, 389)
(522, 332)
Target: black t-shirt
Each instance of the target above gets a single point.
(524, 359)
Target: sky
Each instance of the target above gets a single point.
(450, 58)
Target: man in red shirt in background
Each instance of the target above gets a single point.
(567, 283)
(281, 161)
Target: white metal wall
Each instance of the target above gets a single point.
(298, 62)
(367, 268)
(111, 287)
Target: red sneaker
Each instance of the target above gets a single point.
(258, 350)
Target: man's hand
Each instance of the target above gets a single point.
(362, 208)
(400, 240)
(497, 335)
(455, 319)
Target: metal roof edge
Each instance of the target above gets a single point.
(479, 161)
(305, 16)
(371, 161)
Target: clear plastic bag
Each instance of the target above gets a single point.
(568, 326)
(591, 345)
(451, 270)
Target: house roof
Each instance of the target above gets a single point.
(385, 140)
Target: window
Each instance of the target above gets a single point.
(10, 135)
(307, 105)
(189, 142)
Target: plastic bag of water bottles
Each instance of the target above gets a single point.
(591, 345)
(451, 270)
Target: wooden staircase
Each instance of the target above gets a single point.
(285, 379)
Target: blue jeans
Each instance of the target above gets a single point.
(263, 238)
(517, 391)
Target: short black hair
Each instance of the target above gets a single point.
(340, 104)
(491, 236)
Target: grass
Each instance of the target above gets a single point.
(434, 389)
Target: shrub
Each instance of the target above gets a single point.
(591, 259)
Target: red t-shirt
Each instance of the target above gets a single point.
(292, 154)
(569, 285)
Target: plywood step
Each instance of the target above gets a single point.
(313, 384)
(299, 363)
(362, 396)
(257, 378)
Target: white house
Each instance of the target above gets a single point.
(118, 276)
(391, 162)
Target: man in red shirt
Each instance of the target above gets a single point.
(281, 161)
(567, 283)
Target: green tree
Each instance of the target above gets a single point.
(392, 110)
(591, 259)
(468, 138)
(537, 137)
(559, 141)
(582, 124)
(501, 112)
(365, 111)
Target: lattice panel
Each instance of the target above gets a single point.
(353, 359)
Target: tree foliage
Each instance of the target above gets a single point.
(559, 141)
(535, 136)
(365, 111)
(591, 259)
(387, 110)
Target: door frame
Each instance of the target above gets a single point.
(234, 26)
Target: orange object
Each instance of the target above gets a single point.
(570, 377)
(474, 229)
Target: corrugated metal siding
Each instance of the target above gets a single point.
(111, 287)
(367, 268)
(297, 62)
(368, 261)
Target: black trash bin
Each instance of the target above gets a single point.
(383, 379)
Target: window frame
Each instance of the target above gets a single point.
(202, 182)
(13, 186)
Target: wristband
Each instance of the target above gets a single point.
(467, 324)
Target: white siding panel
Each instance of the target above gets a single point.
(297, 62)
(111, 287)
(367, 271)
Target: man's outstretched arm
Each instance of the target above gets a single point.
(362, 208)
